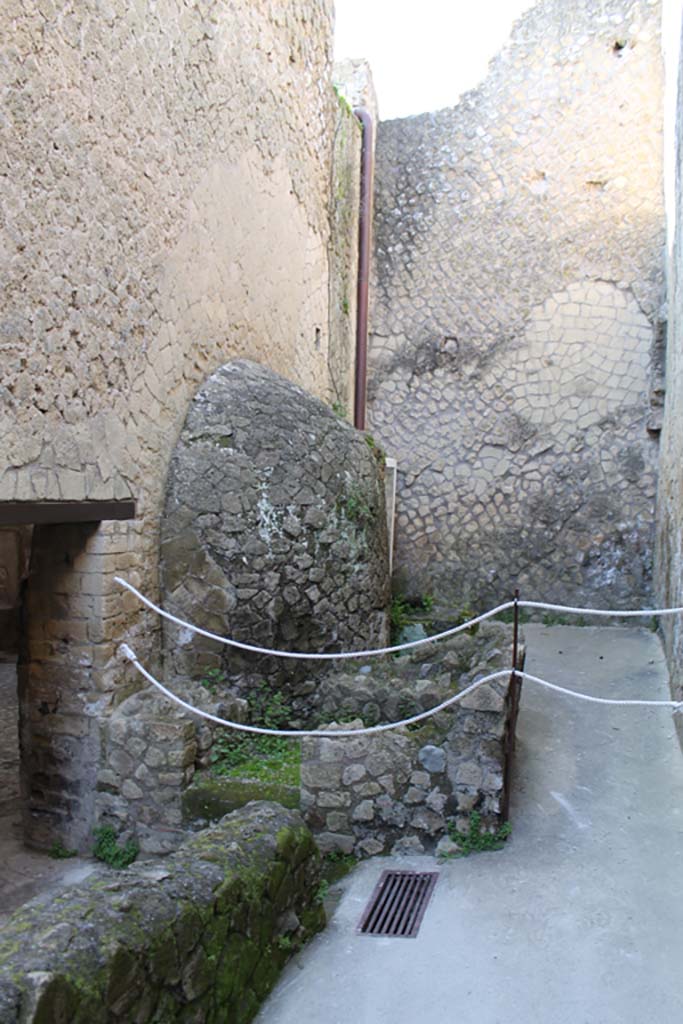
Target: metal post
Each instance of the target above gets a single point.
(515, 636)
(514, 695)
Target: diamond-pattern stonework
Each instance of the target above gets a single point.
(514, 354)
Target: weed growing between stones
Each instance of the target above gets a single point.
(336, 865)
(213, 680)
(355, 508)
(265, 758)
(322, 891)
(376, 449)
(342, 100)
(407, 618)
(108, 849)
(59, 852)
(475, 840)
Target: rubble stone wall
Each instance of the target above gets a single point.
(274, 530)
(202, 936)
(395, 791)
(670, 496)
(166, 176)
(516, 336)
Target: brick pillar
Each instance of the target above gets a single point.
(60, 684)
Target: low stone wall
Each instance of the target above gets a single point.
(152, 749)
(394, 791)
(200, 937)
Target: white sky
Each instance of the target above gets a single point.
(424, 53)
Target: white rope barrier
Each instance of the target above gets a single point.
(308, 655)
(612, 613)
(127, 652)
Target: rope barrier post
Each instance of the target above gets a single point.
(515, 636)
(515, 688)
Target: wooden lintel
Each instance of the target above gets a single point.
(18, 513)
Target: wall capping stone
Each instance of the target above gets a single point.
(203, 933)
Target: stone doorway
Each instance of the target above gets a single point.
(58, 713)
(15, 543)
(23, 872)
(54, 575)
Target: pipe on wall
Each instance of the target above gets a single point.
(364, 249)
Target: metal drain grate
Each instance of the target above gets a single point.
(398, 903)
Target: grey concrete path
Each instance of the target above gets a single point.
(579, 920)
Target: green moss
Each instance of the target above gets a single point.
(286, 843)
(337, 865)
(211, 798)
(342, 101)
(268, 759)
(108, 849)
(477, 839)
(163, 959)
(223, 945)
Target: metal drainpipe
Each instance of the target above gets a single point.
(364, 243)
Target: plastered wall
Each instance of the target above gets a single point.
(670, 496)
(166, 173)
(516, 336)
(165, 187)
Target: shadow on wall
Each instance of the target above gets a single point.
(15, 548)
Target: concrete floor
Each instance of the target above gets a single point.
(580, 918)
(24, 873)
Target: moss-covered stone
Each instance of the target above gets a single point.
(192, 940)
(210, 799)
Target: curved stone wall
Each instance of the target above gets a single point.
(515, 361)
(274, 529)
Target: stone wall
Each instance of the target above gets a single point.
(516, 344)
(201, 937)
(343, 273)
(166, 207)
(670, 497)
(151, 750)
(394, 791)
(274, 530)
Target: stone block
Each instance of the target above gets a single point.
(469, 773)
(353, 773)
(408, 846)
(333, 842)
(367, 789)
(447, 847)
(320, 776)
(332, 799)
(364, 811)
(484, 698)
(433, 759)
(131, 790)
(336, 821)
(427, 821)
(436, 801)
(369, 847)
